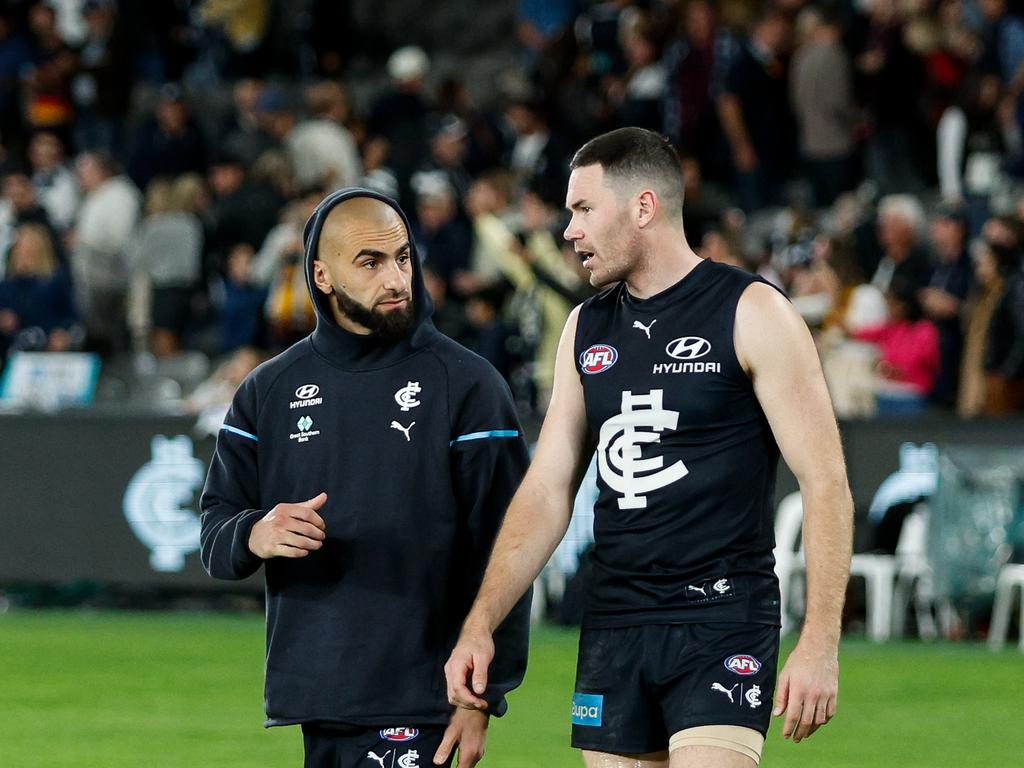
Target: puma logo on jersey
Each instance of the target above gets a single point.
(702, 590)
(373, 756)
(403, 430)
(645, 328)
(727, 691)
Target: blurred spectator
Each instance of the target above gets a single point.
(449, 146)
(449, 317)
(169, 143)
(21, 206)
(1004, 356)
(243, 135)
(47, 80)
(444, 238)
(942, 300)
(99, 264)
(55, 185)
(971, 142)
(166, 256)
(36, 306)
(821, 89)
(901, 224)
(641, 92)
(892, 82)
(490, 336)
(102, 84)
(235, 35)
(994, 266)
(377, 174)
(321, 149)
(243, 211)
(400, 114)
(538, 155)
(538, 22)
(754, 112)
(211, 399)
(690, 121)
(15, 57)
(242, 321)
(908, 353)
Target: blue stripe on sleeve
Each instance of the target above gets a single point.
(485, 435)
(238, 431)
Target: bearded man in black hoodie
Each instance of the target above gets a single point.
(367, 468)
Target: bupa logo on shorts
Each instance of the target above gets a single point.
(399, 734)
(743, 664)
(307, 397)
(688, 348)
(586, 709)
(597, 358)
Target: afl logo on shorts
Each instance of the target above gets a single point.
(688, 348)
(743, 664)
(597, 358)
(399, 734)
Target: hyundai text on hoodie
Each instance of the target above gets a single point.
(419, 449)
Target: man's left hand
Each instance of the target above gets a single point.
(466, 730)
(808, 689)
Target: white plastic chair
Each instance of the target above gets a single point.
(1010, 577)
(914, 576)
(878, 571)
(789, 554)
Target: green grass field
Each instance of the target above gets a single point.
(126, 690)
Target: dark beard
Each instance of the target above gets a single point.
(390, 326)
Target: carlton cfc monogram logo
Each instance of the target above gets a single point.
(619, 459)
(406, 396)
(597, 358)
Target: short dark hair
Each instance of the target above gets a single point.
(637, 155)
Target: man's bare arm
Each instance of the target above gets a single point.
(537, 518)
(774, 345)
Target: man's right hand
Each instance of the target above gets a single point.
(469, 661)
(289, 530)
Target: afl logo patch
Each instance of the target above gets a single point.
(306, 391)
(597, 358)
(688, 348)
(399, 734)
(743, 664)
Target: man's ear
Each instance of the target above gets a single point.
(322, 277)
(646, 207)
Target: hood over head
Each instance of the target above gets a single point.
(351, 350)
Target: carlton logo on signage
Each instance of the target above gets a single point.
(688, 348)
(307, 391)
(158, 502)
(597, 358)
(743, 664)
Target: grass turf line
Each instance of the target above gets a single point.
(120, 690)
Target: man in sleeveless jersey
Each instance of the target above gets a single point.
(689, 377)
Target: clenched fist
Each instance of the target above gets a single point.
(289, 530)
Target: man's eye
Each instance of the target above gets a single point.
(370, 264)
(585, 209)
(403, 259)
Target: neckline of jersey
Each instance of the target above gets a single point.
(669, 295)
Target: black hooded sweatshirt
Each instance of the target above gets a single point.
(419, 449)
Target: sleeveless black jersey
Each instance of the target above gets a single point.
(683, 523)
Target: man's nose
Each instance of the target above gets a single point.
(395, 278)
(572, 232)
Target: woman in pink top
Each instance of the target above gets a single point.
(908, 349)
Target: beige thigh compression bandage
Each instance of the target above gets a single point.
(746, 741)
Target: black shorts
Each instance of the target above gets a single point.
(337, 746)
(637, 686)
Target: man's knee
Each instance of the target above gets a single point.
(716, 746)
(593, 759)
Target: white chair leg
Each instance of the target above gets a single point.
(900, 603)
(1001, 616)
(923, 609)
(879, 600)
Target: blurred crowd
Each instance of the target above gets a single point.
(866, 156)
